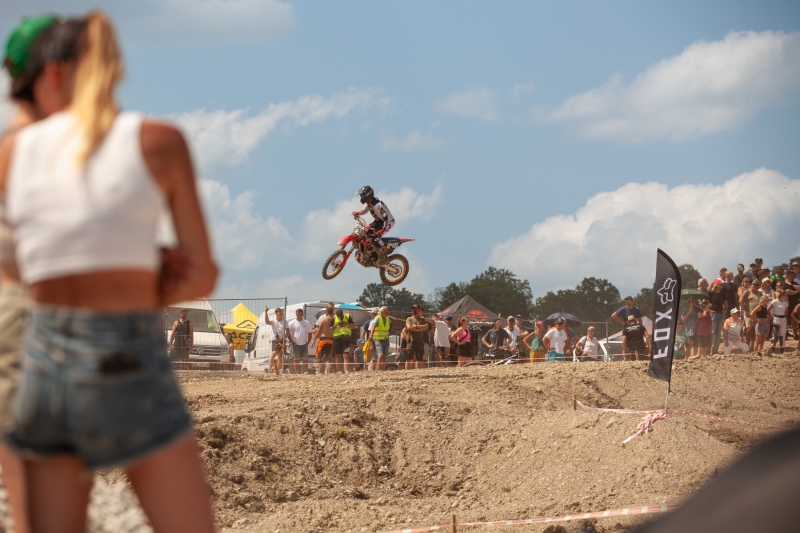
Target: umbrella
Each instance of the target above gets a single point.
(697, 293)
(569, 317)
(348, 306)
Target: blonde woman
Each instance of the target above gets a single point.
(462, 339)
(84, 187)
(533, 341)
(759, 315)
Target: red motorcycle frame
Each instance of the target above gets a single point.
(393, 269)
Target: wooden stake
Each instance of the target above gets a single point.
(574, 403)
(452, 523)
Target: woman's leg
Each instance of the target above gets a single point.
(172, 489)
(58, 494)
(14, 479)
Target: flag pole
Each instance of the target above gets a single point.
(666, 400)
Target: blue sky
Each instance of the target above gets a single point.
(560, 140)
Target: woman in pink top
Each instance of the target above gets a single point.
(462, 338)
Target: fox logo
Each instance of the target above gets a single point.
(666, 292)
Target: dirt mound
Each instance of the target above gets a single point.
(379, 451)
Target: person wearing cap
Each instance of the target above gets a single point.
(441, 340)
(733, 333)
(621, 315)
(796, 267)
(635, 340)
(278, 344)
(358, 354)
(379, 337)
(534, 342)
(416, 326)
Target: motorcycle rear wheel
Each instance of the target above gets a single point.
(395, 271)
(338, 265)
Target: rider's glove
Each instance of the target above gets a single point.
(356, 213)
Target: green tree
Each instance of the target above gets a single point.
(644, 301)
(444, 296)
(689, 276)
(500, 291)
(378, 294)
(592, 300)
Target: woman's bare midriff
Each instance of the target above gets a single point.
(115, 291)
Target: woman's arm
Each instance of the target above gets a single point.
(167, 157)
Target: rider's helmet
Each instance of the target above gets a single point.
(366, 194)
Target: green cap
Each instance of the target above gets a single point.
(22, 38)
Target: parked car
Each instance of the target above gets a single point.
(209, 343)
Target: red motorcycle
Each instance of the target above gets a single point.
(393, 269)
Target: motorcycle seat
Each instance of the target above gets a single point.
(390, 239)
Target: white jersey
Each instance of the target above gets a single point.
(380, 212)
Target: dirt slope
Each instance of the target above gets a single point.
(381, 451)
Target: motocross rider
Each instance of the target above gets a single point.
(383, 218)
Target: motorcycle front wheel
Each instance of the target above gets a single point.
(395, 270)
(334, 264)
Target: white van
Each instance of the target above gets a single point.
(209, 343)
(259, 347)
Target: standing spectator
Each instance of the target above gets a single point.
(231, 350)
(779, 274)
(766, 287)
(689, 317)
(729, 289)
(621, 315)
(588, 347)
(342, 333)
(796, 315)
(792, 288)
(441, 338)
(513, 334)
(462, 338)
(702, 284)
(403, 351)
(748, 300)
(720, 279)
(558, 342)
(535, 343)
(752, 273)
(635, 340)
(416, 325)
(759, 263)
(796, 268)
(704, 328)
(278, 326)
(323, 336)
(778, 309)
(300, 333)
(718, 301)
(740, 275)
(733, 333)
(379, 337)
(760, 316)
(182, 337)
(84, 188)
(681, 340)
(496, 340)
(365, 332)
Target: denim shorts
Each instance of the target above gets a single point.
(382, 346)
(97, 386)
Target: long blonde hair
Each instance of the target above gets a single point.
(99, 70)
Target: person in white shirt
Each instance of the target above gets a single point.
(732, 333)
(778, 310)
(441, 338)
(278, 337)
(588, 347)
(557, 341)
(300, 332)
(513, 333)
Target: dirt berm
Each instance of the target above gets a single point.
(381, 451)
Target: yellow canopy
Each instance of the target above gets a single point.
(241, 326)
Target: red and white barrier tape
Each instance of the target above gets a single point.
(578, 403)
(647, 421)
(647, 509)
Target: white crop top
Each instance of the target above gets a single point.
(70, 220)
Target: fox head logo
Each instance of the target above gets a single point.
(666, 292)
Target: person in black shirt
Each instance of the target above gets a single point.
(729, 288)
(496, 340)
(635, 340)
(718, 300)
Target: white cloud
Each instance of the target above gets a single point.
(227, 137)
(710, 87)
(474, 102)
(184, 21)
(7, 108)
(413, 142)
(616, 234)
(521, 89)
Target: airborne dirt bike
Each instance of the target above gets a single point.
(393, 269)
